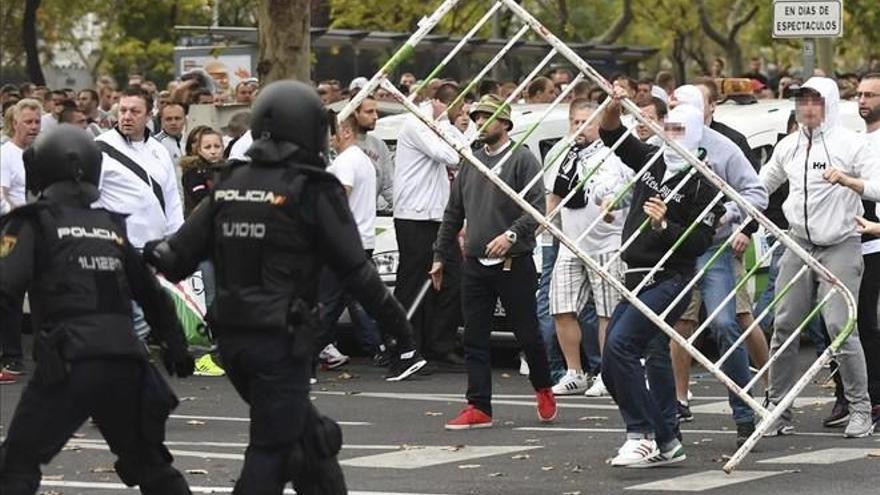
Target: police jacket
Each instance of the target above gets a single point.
(81, 274)
(269, 228)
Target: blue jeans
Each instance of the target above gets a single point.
(816, 328)
(715, 285)
(630, 336)
(587, 318)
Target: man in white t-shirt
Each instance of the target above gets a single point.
(25, 128)
(356, 172)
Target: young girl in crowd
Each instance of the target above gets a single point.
(204, 153)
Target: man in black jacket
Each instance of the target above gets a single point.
(669, 197)
(82, 275)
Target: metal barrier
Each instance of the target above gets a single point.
(768, 416)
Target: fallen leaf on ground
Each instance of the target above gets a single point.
(875, 453)
(53, 477)
(79, 435)
(547, 468)
(496, 475)
(571, 493)
(505, 375)
(520, 456)
(102, 469)
(453, 448)
(468, 466)
(576, 469)
(187, 399)
(345, 376)
(433, 413)
(593, 418)
(197, 471)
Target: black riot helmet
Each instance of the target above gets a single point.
(65, 152)
(288, 121)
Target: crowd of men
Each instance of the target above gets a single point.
(473, 243)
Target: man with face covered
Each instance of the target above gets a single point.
(728, 161)
(498, 246)
(829, 169)
(652, 436)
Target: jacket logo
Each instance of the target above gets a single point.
(819, 165)
(92, 233)
(245, 230)
(253, 196)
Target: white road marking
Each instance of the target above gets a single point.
(419, 457)
(247, 420)
(460, 399)
(686, 432)
(241, 445)
(825, 456)
(706, 480)
(194, 489)
(723, 407)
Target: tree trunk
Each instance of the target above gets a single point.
(29, 33)
(285, 40)
(733, 52)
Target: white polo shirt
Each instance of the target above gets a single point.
(122, 191)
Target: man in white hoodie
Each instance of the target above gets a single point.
(421, 190)
(829, 169)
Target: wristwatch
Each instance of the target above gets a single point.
(511, 236)
(661, 228)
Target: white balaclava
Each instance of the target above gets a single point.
(690, 95)
(692, 120)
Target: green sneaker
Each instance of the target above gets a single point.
(205, 366)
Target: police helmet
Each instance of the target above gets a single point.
(292, 112)
(64, 152)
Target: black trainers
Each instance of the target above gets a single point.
(839, 415)
(875, 415)
(743, 432)
(381, 359)
(684, 413)
(13, 366)
(404, 365)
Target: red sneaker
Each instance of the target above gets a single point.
(546, 405)
(6, 377)
(469, 418)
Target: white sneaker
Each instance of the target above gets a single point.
(598, 388)
(332, 357)
(572, 383)
(523, 365)
(636, 452)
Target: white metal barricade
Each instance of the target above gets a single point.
(556, 47)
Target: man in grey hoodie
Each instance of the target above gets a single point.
(829, 170)
(728, 161)
(367, 114)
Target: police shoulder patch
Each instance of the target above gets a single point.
(7, 244)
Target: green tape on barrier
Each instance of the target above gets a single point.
(404, 53)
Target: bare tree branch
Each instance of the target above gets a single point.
(742, 21)
(618, 27)
(710, 30)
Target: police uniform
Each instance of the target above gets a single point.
(81, 274)
(270, 226)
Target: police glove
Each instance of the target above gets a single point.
(181, 365)
(153, 252)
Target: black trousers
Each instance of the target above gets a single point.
(112, 393)
(481, 286)
(869, 329)
(436, 322)
(275, 385)
(10, 333)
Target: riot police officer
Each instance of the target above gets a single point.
(82, 274)
(269, 227)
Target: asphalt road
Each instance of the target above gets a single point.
(395, 443)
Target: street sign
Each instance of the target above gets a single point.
(807, 19)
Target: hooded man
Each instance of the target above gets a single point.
(672, 199)
(829, 169)
(728, 161)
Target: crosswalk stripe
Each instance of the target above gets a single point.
(706, 480)
(723, 407)
(247, 420)
(194, 489)
(420, 457)
(825, 456)
(685, 432)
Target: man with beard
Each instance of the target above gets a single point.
(869, 330)
(367, 114)
(498, 246)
